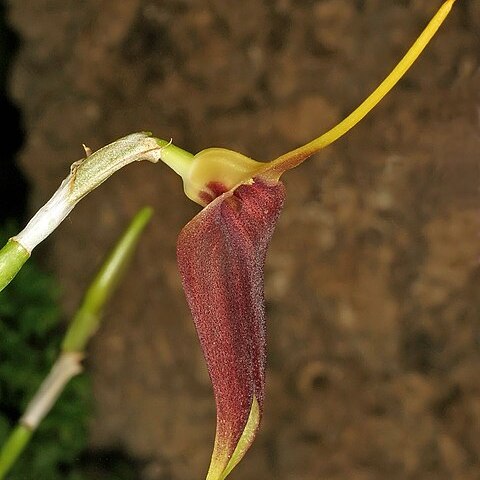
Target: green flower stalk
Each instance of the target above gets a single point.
(85, 175)
(83, 326)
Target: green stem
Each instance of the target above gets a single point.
(14, 446)
(85, 175)
(12, 258)
(86, 320)
(176, 158)
(83, 326)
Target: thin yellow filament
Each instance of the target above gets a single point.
(297, 156)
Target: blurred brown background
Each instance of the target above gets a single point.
(372, 279)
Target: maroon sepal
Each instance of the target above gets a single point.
(221, 256)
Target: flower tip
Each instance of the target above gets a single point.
(224, 460)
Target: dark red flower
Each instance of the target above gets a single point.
(221, 255)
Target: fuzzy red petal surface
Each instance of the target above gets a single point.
(221, 256)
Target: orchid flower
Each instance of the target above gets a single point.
(221, 255)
